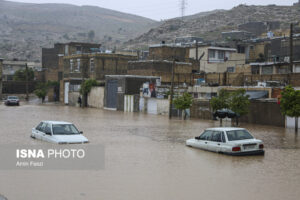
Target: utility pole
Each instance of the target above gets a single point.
(291, 47)
(172, 90)
(26, 75)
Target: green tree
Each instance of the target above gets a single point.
(85, 89)
(221, 101)
(290, 104)
(43, 88)
(41, 91)
(20, 75)
(239, 103)
(183, 102)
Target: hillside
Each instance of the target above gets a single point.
(25, 28)
(210, 25)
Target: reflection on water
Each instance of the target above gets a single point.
(146, 159)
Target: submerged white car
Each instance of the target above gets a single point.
(233, 141)
(58, 132)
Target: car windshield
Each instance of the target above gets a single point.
(12, 97)
(238, 135)
(64, 129)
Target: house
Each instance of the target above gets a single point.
(11, 66)
(217, 59)
(95, 65)
(163, 68)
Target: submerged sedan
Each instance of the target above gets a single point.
(58, 132)
(233, 141)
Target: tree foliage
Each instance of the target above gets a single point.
(20, 75)
(239, 102)
(183, 102)
(87, 85)
(290, 102)
(42, 89)
(221, 101)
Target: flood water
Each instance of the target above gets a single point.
(146, 158)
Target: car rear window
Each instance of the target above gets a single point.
(238, 135)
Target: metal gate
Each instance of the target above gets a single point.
(112, 90)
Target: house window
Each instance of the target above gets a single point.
(78, 66)
(212, 53)
(231, 69)
(221, 55)
(255, 69)
(267, 70)
(71, 65)
(92, 65)
(78, 49)
(251, 47)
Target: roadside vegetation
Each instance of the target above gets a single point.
(290, 104)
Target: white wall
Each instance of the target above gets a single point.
(96, 97)
(290, 122)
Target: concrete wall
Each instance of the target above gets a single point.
(261, 112)
(264, 113)
(164, 52)
(96, 97)
(163, 106)
(73, 98)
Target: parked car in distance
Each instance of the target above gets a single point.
(58, 132)
(12, 100)
(233, 141)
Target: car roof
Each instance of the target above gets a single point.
(224, 129)
(12, 96)
(56, 122)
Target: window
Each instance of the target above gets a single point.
(239, 135)
(221, 55)
(223, 138)
(231, 69)
(42, 127)
(48, 129)
(39, 126)
(92, 65)
(78, 49)
(267, 70)
(206, 135)
(71, 65)
(64, 129)
(212, 53)
(78, 65)
(216, 136)
(255, 69)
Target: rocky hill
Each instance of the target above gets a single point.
(26, 28)
(210, 25)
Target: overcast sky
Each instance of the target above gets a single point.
(164, 9)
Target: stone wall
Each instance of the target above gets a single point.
(96, 97)
(165, 52)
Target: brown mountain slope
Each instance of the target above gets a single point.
(25, 28)
(210, 26)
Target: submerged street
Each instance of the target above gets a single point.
(146, 158)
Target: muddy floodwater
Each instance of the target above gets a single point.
(146, 158)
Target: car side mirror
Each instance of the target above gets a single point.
(81, 132)
(197, 138)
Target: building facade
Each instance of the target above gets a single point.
(217, 59)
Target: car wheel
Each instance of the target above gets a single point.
(32, 136)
